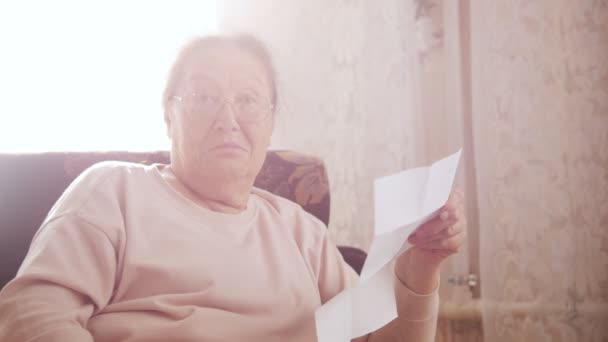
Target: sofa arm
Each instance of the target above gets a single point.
(354, 257)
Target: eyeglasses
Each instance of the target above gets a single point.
(247, 108)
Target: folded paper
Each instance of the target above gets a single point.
(402, 202)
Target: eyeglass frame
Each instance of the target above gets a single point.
(222, 103)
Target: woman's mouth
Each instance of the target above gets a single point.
(227, 147)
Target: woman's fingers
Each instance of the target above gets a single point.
(448, 219)
(430, 230)
(450, 243)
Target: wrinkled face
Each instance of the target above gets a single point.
(212, 122)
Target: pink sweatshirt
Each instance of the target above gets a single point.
(122, 256)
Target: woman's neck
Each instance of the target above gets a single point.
(225, 196)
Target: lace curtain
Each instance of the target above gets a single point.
(541, 138)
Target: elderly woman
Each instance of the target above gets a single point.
(125, 254)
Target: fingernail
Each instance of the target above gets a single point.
(444, 215)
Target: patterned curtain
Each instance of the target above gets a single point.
(541, 142)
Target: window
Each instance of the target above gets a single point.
(84, 75)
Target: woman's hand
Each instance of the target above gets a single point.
(433, 242)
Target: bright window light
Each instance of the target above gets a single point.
(88, 75)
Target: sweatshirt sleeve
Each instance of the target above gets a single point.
(333, 273)
(67, 276)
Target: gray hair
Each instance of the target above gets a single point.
(246, 42)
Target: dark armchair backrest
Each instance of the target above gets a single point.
(31, 183)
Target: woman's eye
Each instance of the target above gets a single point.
(205, 98)
(247, 100)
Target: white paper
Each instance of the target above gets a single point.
(371, 307)
(354, 311)
(403, 202)
(334, 318)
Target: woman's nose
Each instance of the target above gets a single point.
(226, 118)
